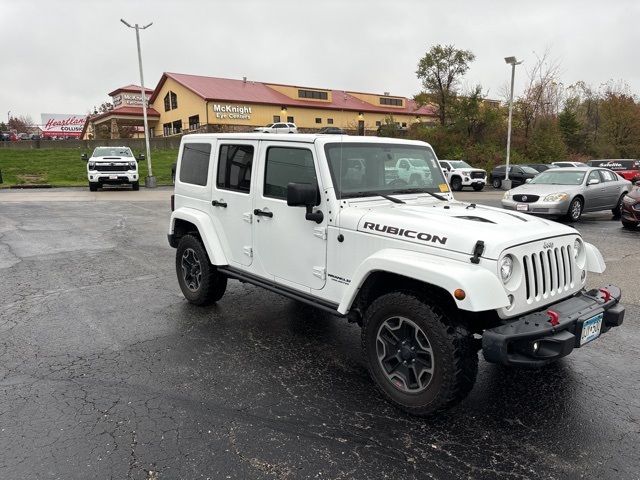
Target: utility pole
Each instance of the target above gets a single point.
(150, 180)
(506, 184)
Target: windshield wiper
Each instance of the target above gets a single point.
(373, 194)
(420, 190)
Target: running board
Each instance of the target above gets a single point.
(328, 307)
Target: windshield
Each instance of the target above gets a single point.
(559, 177)
(112, 152)
(616, 164)
(529, 170)
(459, 164)
(364, 169)
(269, 125)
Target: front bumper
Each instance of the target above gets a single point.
(532, 340)
(539, 207)
(469, 182)
(631, 212)
(112, 177)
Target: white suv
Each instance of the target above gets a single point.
(328, 221)
(279, 127)
(112, 166)
(460, 174)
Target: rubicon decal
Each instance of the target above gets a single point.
(401, 232)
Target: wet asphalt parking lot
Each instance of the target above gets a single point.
(107, 372)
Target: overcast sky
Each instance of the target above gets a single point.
(63, 56)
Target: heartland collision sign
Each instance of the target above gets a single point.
(62, 124)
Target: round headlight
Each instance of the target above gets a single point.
(506, 268)
(577, 248)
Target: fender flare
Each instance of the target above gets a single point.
(208, 234)
(595, 262)
(483, 289)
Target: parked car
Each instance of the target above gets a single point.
(540, 167)
(568, 192)
(460, 174)
(518, 174)
(630, 212)
(24, 136)
(569, 164)
(332, 131)
(277, 128)
(5, 136)
(626, 168)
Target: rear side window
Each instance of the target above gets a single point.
(286, 165)
(234, 167)
(194, 166)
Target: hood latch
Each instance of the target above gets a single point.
(477, 252)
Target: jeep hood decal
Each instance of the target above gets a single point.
(452, 226)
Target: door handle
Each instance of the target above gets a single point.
(262, 213)
(216, 203)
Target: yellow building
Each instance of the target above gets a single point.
(183, 103)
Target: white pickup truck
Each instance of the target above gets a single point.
(330, 222)
(460, 174)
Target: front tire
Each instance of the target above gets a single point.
(497, 183)
(200, 282)
(456, 184)
(629, 225)
(420, 360)
(575, 210)
(93, 187)
(135, 186)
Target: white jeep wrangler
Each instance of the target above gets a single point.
(460, 174)
(326, 221)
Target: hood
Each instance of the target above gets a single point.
(450, 226)
(542, 190)
(113, 159)
(469, 170)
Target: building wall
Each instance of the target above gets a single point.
(244, 116)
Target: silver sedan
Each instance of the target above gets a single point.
(568, 192)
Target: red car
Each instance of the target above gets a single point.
(626, 168)
(630, 211)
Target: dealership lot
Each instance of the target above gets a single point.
(107, 371)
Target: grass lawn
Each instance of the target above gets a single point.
(64, 167)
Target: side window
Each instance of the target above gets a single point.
(194, 165)
(593, 176)
(515, 170)
(608, 176)
(234, 167)
(444, 165)
(285, 165)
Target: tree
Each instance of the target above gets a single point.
(21, 123)
(440, 71)
(546, 142)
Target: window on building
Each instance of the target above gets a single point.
(378, 123)
(397, 102)
(318, 120)
(194, 122)
(170, 101)
(194, 165)
(404, 124)
(314, 94)
(285, 165)
(330, 121)
(276, 118)
(166, 129)
(176, 127)
(290, 120)
(234, 167)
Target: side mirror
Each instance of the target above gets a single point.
(141, 157)
(593, 181)
(84, 157)
(528, 180)
(305, 195)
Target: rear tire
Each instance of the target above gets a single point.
(135, 186)
(456, 184)
(629, 225)
(93, 187)
(200, 282)
(617, 210)
(497, 183)
(436, 361)
(478, 188)
(575, 210)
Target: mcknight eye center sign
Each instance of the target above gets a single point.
(235, 112)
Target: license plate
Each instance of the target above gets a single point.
(113, 177)
(591, 329)
(522, 207)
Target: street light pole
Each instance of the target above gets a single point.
(150, 180)
(506, 184)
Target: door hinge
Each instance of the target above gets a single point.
(320, 232)
(248, 251)
(247, 217)
(319, 272)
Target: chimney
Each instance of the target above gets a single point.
(244, 79)
(386, 94)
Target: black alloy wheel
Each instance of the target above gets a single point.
(497, 183)
(200, 282)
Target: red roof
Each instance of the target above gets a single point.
(131, 88)
(231, 90)
(127, 110)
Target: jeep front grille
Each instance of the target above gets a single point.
(548, 272)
